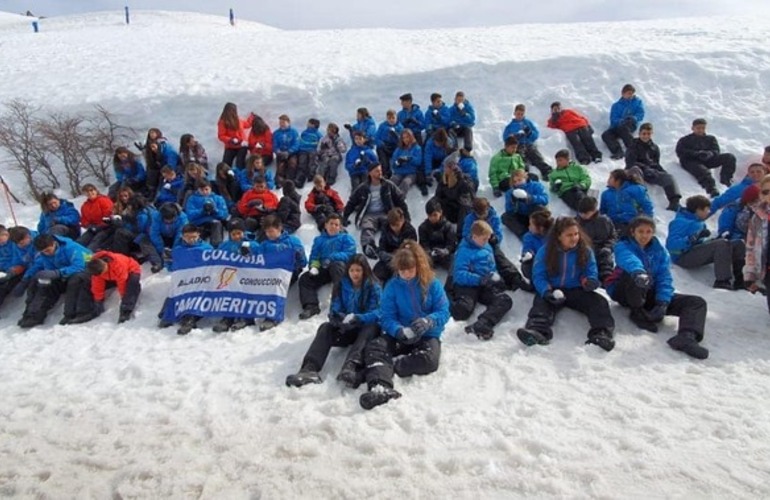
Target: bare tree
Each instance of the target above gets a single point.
(18, 137)
(62, 137)
(102, 136)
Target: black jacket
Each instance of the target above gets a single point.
(359, 199)
(390, 241)
(441, 235)
(688, 147)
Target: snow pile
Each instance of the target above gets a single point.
(132, 411)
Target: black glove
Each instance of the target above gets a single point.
(420, 326)
(705, 233)
(139, 145)
(402, 160)
(552, 297)
(590, 284)
(630, 121)
(407, 336)
(99, 307)
(345, 221)
(167, 253)
(336, 318)
(348, 126)
(657, 313)
(526, 130)
(557, 183)
(497, 192)
(245, 250)
(705, 155)
(321, 199)
(208, 208)
(642, 280)
(439, 253)
(493, 240)
(20, 288)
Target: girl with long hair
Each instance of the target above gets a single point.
(231, 130)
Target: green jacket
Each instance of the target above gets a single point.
(502, 165)
(572, 175)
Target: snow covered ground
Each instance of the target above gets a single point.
(131, 411)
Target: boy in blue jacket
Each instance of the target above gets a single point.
(307, 152)
(410, 116)
(462, 118)
(331, 250)
(387, 137)
(359, 158)
(171, 187)
(207, 211)
(12, 264)
(690, 247)
(166, 229)
(58, 217)
(527, 133)
(59, 267)
(285, 147)
(540, 223)
(524, 198)
(625, 115)
(436, 115)
(476, 280)
(643, 282)
(414, 310)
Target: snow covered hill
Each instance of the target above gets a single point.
(130, 411)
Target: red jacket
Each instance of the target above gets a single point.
(269, 201)
(119, 267)
(569, 121)
(92, 211)
(266, 141)
(311, 203)
(227, 135)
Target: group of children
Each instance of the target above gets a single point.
(171, 199)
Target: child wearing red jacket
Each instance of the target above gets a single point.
(95, 218)
(233, 132)
(124, 272)
(578, 131)
(256, 203)
(323, 201)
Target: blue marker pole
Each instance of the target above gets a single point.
(128, 19)
(35, 26)
(232, 17)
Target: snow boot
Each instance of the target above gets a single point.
(685, 342)
(531, 337)
(303, 377)
(603, 339)
(376, 396)
(164, 323)
(186, 325)
(350, 375)
(240, 324)
(65, 320)
(309, 311)
(267, 325)
(641, 320)
(481, 330)
(371, 252)
(30, 321)
(82, 318)
(124, 316)
(722, 285)
(222, 325)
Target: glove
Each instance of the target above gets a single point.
(520, 194)
(336, 318)
(139, 145)
(167, 253)
(349, 319)
(497, 193)
(439, 253)
(235, 140)
(705, 233)
(256, 204)
(357, 162)
(345, 221)
(20, 288)
(92, 229)
(490, 279)
(630, 121)
(557, 184)
(526, 130)
(167, 186)
(313, 271)
(435, 112)
(245, 248)
(642, 280)
(657, 313)
(421, 325)
(526, 257)
(402, 159)
(555, 297)
(590, 284)
(461, 106)
(321, 199)
(725, 235)
(407, 336)
(47, 275)
(493, 240)
(230, 173)
(521, 133)
(244, 144)
(348, 126)
(208, 208)
(4, 276)
(99, 307)
(258, 145)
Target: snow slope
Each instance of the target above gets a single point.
(130, 411)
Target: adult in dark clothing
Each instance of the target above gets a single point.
(371, 201)
(643, 156)
(698, 153)
(643, 282)
(288, 208)
(438, 236)
(393, 235)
